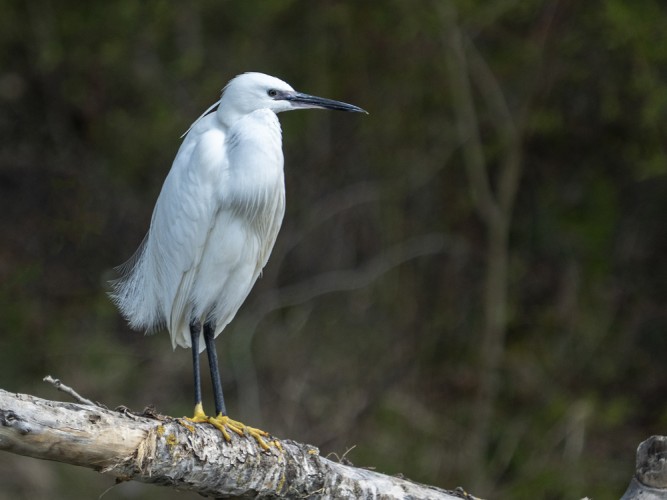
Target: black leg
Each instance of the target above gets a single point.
(195, 332)
(215, 373)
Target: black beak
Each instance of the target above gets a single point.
(300, 100)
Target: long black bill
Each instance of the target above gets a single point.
(300, 100)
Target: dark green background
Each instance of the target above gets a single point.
(368, 328)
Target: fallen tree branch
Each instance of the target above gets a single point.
(174, 452)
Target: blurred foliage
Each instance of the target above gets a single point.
(360, 332)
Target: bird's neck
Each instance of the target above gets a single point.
(230, 111)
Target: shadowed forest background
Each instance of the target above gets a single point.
(470, 286)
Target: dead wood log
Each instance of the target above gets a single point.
(174, 452)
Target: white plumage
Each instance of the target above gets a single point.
(215, 221)
(218, 214)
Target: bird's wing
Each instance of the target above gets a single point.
(181, 223)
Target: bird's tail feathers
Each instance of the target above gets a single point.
(128, 292)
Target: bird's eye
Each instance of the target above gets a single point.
(272, 92)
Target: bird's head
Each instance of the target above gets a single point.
(252, 91)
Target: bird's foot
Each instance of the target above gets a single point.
(225, 424)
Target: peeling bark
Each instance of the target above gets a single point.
(172, 452)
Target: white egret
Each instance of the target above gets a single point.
(214, 225)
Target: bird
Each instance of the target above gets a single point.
(213, 228)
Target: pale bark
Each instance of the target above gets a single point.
(174, 452)
(650, 479)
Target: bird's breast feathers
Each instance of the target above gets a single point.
(253, 185)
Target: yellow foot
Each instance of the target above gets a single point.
(223, 423)
(199, 417)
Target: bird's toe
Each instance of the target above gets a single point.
(223, 423)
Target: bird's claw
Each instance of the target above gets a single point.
(225, 424)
